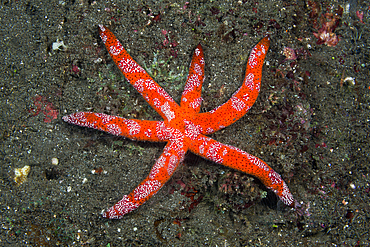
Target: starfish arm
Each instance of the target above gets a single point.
(239, 160)
(160, 173)
(191, 96)
(153, 93)
(134, 129)
(243, 99)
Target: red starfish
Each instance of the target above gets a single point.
(183, 128)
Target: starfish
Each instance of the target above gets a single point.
(183, 127)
